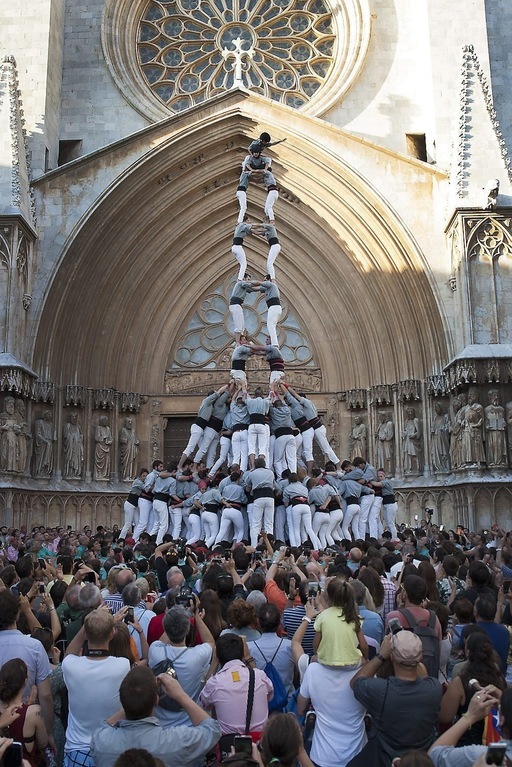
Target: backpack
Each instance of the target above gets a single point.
(429, 640)
(163, 667)
(280, 698)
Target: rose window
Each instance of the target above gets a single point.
(189, 51)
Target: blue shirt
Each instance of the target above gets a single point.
(500, 639)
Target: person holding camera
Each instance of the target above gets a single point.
(404, 707)
(136, 726)
(444, 752)
(190, 663)
(93, 681)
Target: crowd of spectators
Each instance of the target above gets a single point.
(389, 650)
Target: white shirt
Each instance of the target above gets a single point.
(339, 730)
(93, 689)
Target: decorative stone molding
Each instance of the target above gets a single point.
(470, 63)
(129, 402)
(103, 399)
(332, 423)
(437, 385)
(356, 398)
(492, 371)
(201, 381)
(409, 390)
(381, 395)
(74, 395)
(461, 373)
(16, 380)
(5, 246)
(452, 282)
(17, 126)
(155, 442)
(148, 51)
(45, 391)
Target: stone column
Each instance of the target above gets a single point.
(86, 427)
(114, 427)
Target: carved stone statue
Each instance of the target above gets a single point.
(43, 445)
(385, 439)
(457, 427)
(491, 194)
(24, 436)
(9, 431)
(496, 444)
(103, 439)
(358, 439)
(73, 448)
(129, 449)
(411, 448)
(473, 432)
(440, 445)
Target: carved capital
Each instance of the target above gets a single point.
(44, 391)
(437, 385)
(103, 399)
(462, 372)
(129, 402)
(492, 370)
(409, 390)
(381, 395)
(16, 380)
(356, 398)
(74, 395)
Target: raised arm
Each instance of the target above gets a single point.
(298, 637)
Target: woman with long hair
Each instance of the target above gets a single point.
(373, 583)
(482, 667)
(212, 607)
(121, 645)
(427, 572)
(29, 728)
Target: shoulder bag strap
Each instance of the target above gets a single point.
(180, 654)
(377, 724)
(250, 700)
(278, 648)
(260, 651)
(411, 620)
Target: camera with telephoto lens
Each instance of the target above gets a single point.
(428, 511)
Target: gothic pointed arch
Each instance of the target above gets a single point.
(142, 255)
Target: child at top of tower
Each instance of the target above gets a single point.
(264, 142)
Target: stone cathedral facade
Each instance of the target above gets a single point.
(123, 124)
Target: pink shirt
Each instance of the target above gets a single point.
(227, 693)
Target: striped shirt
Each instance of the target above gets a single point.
(292, 618)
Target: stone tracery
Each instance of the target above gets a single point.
(181, 44)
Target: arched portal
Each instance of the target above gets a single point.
(159, 236)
